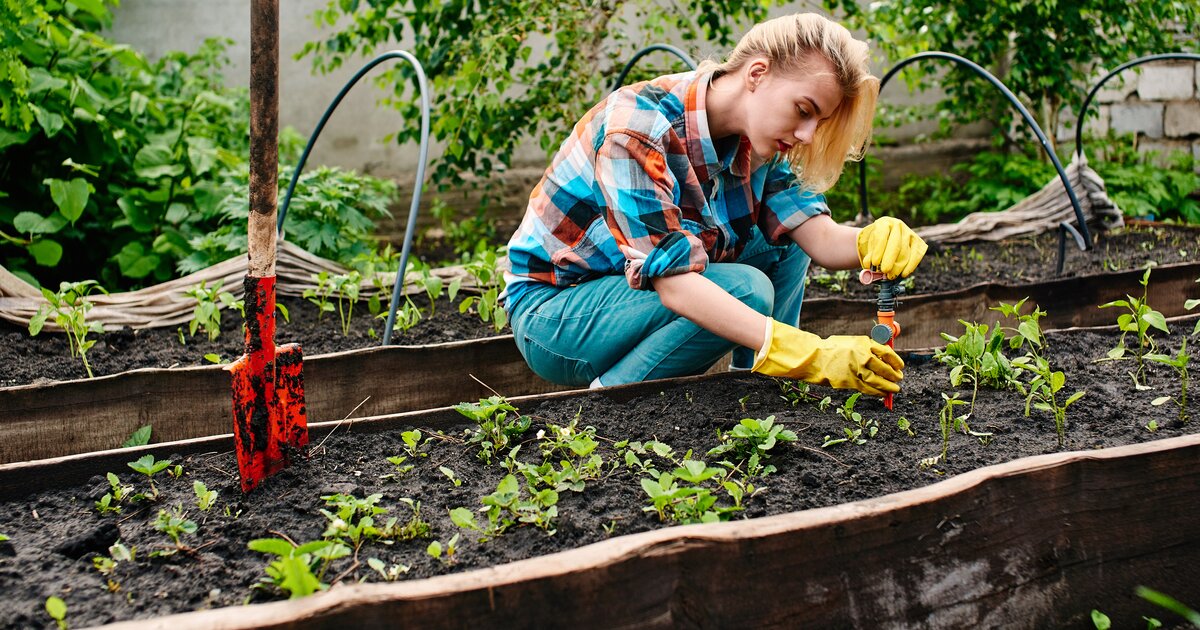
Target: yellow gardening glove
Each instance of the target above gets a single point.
(889, 246)
(839, 361)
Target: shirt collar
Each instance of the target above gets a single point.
(702, 151)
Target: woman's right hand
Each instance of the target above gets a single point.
(845, 362)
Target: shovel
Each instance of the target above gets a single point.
(270, 421)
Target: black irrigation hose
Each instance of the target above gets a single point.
(1096, 88)
(424, 155)
(1081, 235)
(645, 51)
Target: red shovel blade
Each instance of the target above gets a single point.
(268, 392)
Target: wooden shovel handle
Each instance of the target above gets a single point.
(264, 135)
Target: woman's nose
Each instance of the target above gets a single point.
(804, 133)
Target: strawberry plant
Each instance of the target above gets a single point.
(57, 609)
(689, 502)
(69, 307)
(750, 440)
(447, 553)
(149, 467)
(1139, 320)
(205, 498)
(507, 506)
(495, 428)
(297, 570)
(107, 565)
(174, 524)
(388, 573)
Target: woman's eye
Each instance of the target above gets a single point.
(803, 112)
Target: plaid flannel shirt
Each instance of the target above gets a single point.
(642, 170)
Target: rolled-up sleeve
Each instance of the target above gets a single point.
(785, 203)
(641, 196)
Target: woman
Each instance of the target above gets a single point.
(677, 221)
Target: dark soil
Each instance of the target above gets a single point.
(25, 359)
(56, 535)
(1025, 260)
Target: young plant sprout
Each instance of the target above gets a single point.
(978, 358)
(205, 498)
(149, 467)
(297, 570)
(495, 428)
(1042, 390)
(57, 609)
(174, 524)
(862, 429)
(1139, 320)
(389, 573)
(445, 553)
(69, 308)
(1179, 363)
(207, 314)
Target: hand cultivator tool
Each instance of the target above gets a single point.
(269, 416)
(886, 329)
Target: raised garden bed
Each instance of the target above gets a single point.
(1020, 533)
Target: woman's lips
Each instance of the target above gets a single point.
(783, 146)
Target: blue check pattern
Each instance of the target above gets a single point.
(641, 170)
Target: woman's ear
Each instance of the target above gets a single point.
(756, 71)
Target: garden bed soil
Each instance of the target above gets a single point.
(56, 533)
(32, 360)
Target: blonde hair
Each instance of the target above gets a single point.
(790, 43)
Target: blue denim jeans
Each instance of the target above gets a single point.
(604, 329)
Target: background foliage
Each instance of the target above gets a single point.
(1048, 52)
(491, 91)
(121, 169)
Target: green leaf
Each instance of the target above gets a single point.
(1101, 620)
(1057, 380)
(156, 160)
(1156, 319)
(56, 607)
(70, 197)
(274, 546)
(298, 580)
(141, 437)
(46, 253)
(137, 214)
(135, 262)
(34, 223)
(50, 122)
(1073, 398)
(464, 518)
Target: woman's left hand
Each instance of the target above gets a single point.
(889, 246)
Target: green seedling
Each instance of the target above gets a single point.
(389, 573)
(689, 502)
(1042, 390)
(107, 565)
(149, 467)
(489, 278)
(407, 316)
(320, 294)
(495, 428)
(447, 553)
(904, 425)
(1152, 426)
(57, 609)
(353, 520)
(297, 570)
(412, 443)
(345, 287)
(1179, 363)
(978, 358)
(862, 429)
(948, 422)
(401, 467)
(796, 391)
(141, 437)
(4, 538)
(176, 472)
(836, 282)
(205, 498)
(1139, 320)
(450, 475)
(434, 286)
(174, 524)
(111, 501)
(1170, 603)
(69, 308)
(206, 315)
(751, 440)
(508, 506)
